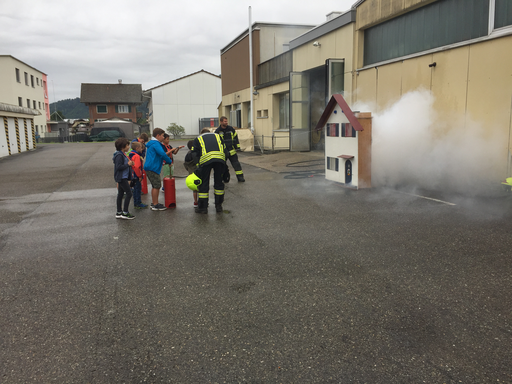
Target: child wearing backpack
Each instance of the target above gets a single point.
(136, 156)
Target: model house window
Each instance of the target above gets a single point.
(18, 79)
(101, 108)
(347, 130)
(123, 109)
(20, 101)
(26, 78)
(435, 25)
(333, 163)
(332, 130)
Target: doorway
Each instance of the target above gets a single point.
(309, 93)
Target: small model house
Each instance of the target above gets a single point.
(348, 143)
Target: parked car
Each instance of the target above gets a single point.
(106, 136)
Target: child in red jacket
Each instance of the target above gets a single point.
(135, 156)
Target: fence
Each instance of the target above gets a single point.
(209, 122)
(55, 138)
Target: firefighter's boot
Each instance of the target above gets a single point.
(219, 199)
(202, 206)
(240, 178)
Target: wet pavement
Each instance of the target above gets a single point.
(298, 281)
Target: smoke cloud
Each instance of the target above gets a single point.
(412, 146)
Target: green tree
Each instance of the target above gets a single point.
(175, 130)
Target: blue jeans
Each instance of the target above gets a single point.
(137, 193)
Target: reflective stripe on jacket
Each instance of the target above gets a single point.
(208, 147)
(230, 138)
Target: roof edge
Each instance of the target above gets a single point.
(339, 100)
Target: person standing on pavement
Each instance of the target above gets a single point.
(230, 137)
(209, 152)
(155, 156)
(123, 175)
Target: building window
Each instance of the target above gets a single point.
(284, 110)
(101, 108)
(28, 103)
(20, 101)
(438, 24)
(123, 109)
(32, 81)
(39, 105)
(26, 78)
(18, 79)
(37, 81)
(503, 14)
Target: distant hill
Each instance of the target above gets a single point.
(74, 109)
(71, 108)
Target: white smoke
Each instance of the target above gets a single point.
(412, 146)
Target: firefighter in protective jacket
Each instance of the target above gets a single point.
(232, 145)
(209, 152)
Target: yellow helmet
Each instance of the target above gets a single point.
(193, 181)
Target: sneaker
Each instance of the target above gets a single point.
(195, 204)
(119, 215)
(158, 207)
(141, 206)
(127, 216)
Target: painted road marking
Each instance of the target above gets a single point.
(427, 198)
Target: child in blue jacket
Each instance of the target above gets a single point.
(155, 156)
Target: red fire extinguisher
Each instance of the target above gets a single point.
(170, 192)
(144, 183)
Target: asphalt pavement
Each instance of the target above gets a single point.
(299, 280)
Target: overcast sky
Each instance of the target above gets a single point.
(141, 42)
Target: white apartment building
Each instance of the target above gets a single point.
(24, 86)
(184, 101)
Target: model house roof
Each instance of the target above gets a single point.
(339, 100)
(111, 93)
(184, 77)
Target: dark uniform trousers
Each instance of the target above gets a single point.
(236, 164)
(209, 151)
(232, 144)
(204, 172)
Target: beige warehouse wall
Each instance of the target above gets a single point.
(265, 101)
(470, 84)
(338, 44)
